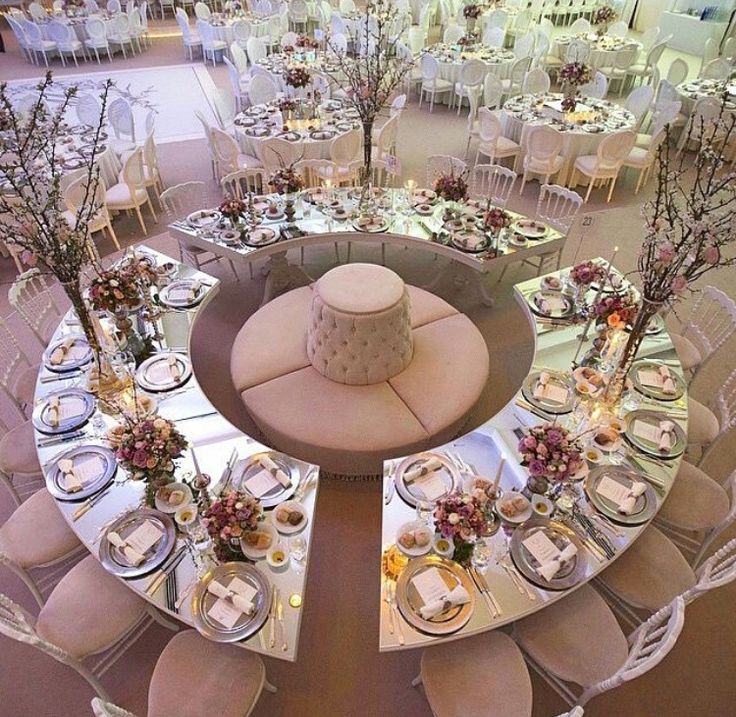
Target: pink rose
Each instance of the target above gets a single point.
(712, 254)
(679, 284)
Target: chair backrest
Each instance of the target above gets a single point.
(494, 36)
(315, 171)
(135, 23)
(262, 89)
(239, 183)
(497, 18)
(678, 71)
(729, 47)
(518, 71)
(133, 172)
(108, 709)
(618, 29)
(113, 6)
(544, 143)
(452, 34)
(489, 126)
(492, 181)
(639, 101)
(91, 6)
(226, 150)
(492, 91)
(33, 33)
(345, 147)
(547, 26)
(472, 72)
(615, 148)
(711, 322)
(224, 104)
(276, 153)
(438, 164)
(120, 115)
(387, 135)
(710, 50)
(430, 67)
(577, 51)
(705, 113)
(718, 69)
(256, 49)
(240, 59)
(12, 361)
(536, 82)
(524, 45)
(649, 37)
(181, 200)
(30, 295)
(558, 206)
(718, 570)
(398, 105)
(597, 88)
(655, 53)
(202, 11)
(37, 11)
(581, 26)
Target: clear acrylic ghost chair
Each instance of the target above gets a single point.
(678, 71)
(536, 82)
(542, 156)
(31, 296)
(606, 164)
(492, 181)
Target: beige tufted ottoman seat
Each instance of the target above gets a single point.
(358, 368)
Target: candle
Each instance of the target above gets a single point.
(497, 480)
(197, 469)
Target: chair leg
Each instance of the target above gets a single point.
(93, 681)
(590, 189)
(113, 235)
(610, 191)
(140, 220)
(268, 686)
(27, 581)
(160, 619)
(8, 482)
(416, 681)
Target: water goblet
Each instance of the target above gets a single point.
(424, 509)
(298, 548)
(482, 554)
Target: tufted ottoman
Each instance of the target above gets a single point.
(348, 416)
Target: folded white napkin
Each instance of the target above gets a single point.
(132, 555)
(243, 604)
(665, 437)
(668, 383)
(274, 470)
(457, 596)
(551, 567)
(54, 411)
(60, 352)
(174, 369)
(422, 469)
(72, 482)
(627, 505)
(541, 386)
(194, 290)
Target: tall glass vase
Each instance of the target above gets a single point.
(367, 169)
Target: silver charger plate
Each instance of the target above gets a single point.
(41, 413)
(166, 299)
(654, 417)
(646, 503)
(142, 375)
(653, 391)
(248, 467)
(204, 218)
(529, 228)
(564, 313)
(449, 474)
(409, 602)
(247, 625)
(458, 243)
(570, 574)
(56, 483)
(67, 365)
(268, 236)
(530, 382)
(113, 559)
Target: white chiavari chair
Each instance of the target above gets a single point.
(37, 544)
(130, 192)
(432, 84)
(73, 630)
(607, 162)
(558, 207)
(31, 296)
(491, 143)
(230, 680)
(17, 373)
(492, 181)
(542, 156)
(189, 38)
(492, 663)
(716, 572)
(18, 459)
(579, 641)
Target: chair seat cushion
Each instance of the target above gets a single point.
(119, 195)
(696, 501)
(228, 679)
(643, 140)
(89, 610)
(651, 573)
(532, 164)
(492, 664)
(702, 424)
(18, 451)
(578, 638)
(25, 386)
(438, 85)
(638, 157)
(36, 532)
(90, 42)
(588, 164)
(687, 351)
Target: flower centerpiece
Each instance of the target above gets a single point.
(227, 519)
(572, 75)
(550, 454)
(471, 13)
(233, 209)
(468, 40)
(297, 77)
(304, 42)
(287, 182)
(147, 448)
(451, 187)
(286, 105)
(585, 273)
(689, 228)
(460, 517)
(496, 219)
(602, 18)
(616, 310)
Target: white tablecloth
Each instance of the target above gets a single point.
(223, 28)
(79, 27)
(603, 50)
(498, 62)
(691, 91)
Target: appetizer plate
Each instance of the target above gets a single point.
(372, 225)
(250, 466)
(262, 236)
(409, 602)
(411, 493)
(556, 380)
(97, 459)
(569, 574)
(182, 293)
(529, 228)
(204, 218)
(649, 447)
(260, 553)
(79, 405)
(412, 527)
(114, 560)
(653, 391)
(165, 507)
(76, 354)
(552, 283)
(152, 374)
(470, 241)
(246, 625)
(645, 506)
(537, 300)
(288, 528)
(506, 498)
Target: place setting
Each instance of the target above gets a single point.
(426, 477)
(656, 380)
(550, 391)
(183, 293)
(164, 372)
(621, 494)
(80, 472)
(70, 353)
(63, 411)
(551, 304)
(269, 477)
(654, 434)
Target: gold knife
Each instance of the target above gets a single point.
(280, 615)
(272, 619)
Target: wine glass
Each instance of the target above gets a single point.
(482, 554)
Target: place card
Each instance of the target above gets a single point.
(161, 372)
(261, 483)
(85, 470)
(144, 537)
(430, 586)
(184, 293)
(650, 378)
(224, 611)
(549, 303)
(614, 491)
(541, 548)
(647, 431)
(69, 407)
(554, 393)
(431, 485)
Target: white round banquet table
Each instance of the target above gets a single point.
(523, 113)
(498, 61)
(603, 50)
(696, 89)
(78, 24)
(259, 123)
(313, 60)
(222, 25)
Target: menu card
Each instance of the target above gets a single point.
(551, 392)
(541, 547)
(224, 611)
(613, 490)
(81, 471)
(549, 303)
(651, 378)
(431, 486)
(261, 483)
(647, 431)
(67, 407)
(430, 585)
(162, 372)
(144, 537)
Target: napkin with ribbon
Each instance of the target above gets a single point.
(541, 386)
(59, 354)
(266, 463)
(239, 601)
(72, 481)
(422, 469)
(668, 383)
(665, 435)
(551, 567)
(131, 554)
(627, 505)
(457, 596)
